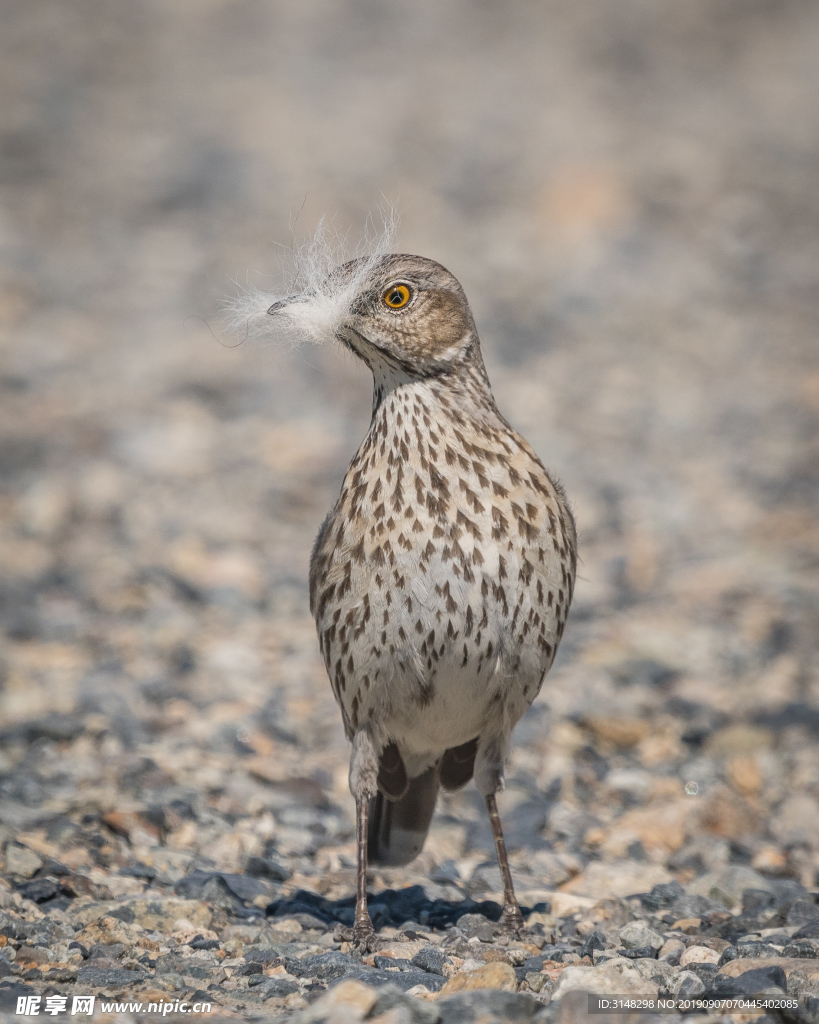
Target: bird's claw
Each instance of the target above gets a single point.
(361, 936)
(511, 920)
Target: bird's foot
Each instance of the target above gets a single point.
(511, 919)
(361, 936)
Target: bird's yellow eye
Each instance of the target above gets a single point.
(397, 296)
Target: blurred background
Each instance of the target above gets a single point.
(629, 193)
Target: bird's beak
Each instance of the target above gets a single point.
(278, 305)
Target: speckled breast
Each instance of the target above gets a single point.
(441, 580)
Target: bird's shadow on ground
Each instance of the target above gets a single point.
(392, 907)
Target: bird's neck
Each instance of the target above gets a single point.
(463, 387)
(464, 398)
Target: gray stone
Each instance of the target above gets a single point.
(750, 983)
(415, 1011)
(261, 867)
(655, 970)
(329, 966)
(401, 979)
(476, 926)
(692, 905)
(109, 977)
(431, 959)
(265, 954)
(685, 985)
(189, 966)
(617, 976)
(276, 988)
(638, 935)
(466, 1007)
(802, 912)
(662, 895)
(21, 861)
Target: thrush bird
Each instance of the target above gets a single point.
(441, 580)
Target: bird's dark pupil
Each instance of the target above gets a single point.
(395, 297)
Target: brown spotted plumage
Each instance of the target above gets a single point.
(441, 581)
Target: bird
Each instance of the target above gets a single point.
(441, 580)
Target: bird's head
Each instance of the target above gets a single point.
(402, 315)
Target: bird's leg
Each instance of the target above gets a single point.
(363, 931)
(363, 786)
(511, 917)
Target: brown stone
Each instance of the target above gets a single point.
(493, 975)
(347, 1001)
(402, 950)
(106, 931)
(726, 814)
(620, 732)
(32, 955)
(712, 942)
(660, 827)
(699, 955)
(738, 740)
(734, 968)
(744, 775)
(689, 925)
(494, 954)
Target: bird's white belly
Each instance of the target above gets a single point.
(449, 663)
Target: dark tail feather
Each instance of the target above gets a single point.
(398, 828)
(458, 764)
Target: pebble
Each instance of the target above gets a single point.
(638, 935)
(699, 955)
(493, 975)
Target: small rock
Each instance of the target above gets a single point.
(638, 954)
(495, 975)
(638, 935)
(176, 963)
(387, 963)
(595, 941)
(689, 925)
(693, 906)
(262, 867)
(403, 950)
(799, 951)
(663, 895)
(699, 955)
(38, 890)
(620, 732)
(476, 926)
(536, 981)
(685, 985)
(21, 861)
(671, 951)
(755, 951)
(352, 999)
(750, 983)
(803, 983)
(328, 966)
(494, 1005)
(276, 988)
(612, 977)
(802, 912)
(654, 970)
(109, 978)
(32, 955)
(797, 821)
(431, 959)
(393, 1005)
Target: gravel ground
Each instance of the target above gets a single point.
(630, 195)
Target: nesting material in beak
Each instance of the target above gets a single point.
(318, 300)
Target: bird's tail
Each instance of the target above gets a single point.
(399, 827)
